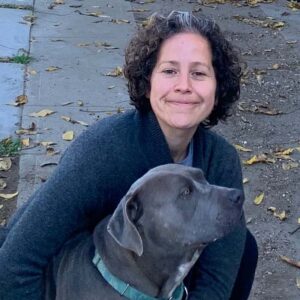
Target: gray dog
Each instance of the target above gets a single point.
(150, 243)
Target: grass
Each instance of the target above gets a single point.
(21, 59)
(16, 6)
(10, 147)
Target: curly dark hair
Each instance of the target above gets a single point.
(142, 53)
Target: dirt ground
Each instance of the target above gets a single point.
(10, 177)
(265, 128)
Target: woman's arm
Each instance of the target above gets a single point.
(70, 200)
(215, 272)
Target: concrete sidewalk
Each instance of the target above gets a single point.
(73, 50)
(75, 46)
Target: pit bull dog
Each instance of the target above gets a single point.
(150, 243)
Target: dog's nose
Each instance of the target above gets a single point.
(236, 197)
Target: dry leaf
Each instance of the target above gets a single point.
(258, 199)
(46, 144)
(120, 21)
(298, 282)
(260, 158)
(261, 22)
(68, 135)
(294, 5)
(32, 72)
(52, 69)
(290, 261)
(5, 163)
(1, 206)
(8, 196)
(275, 67)
(46, 164)
(241, 148)
(25, 131)
(291, 42)
(111, 87)
(94, 14)
(83, 44)
(298, 220)
(271, 208)
(21, 100)
(259, 109)
(25, 142)
(66, 103)
(118, 71)
(68, 119)
(138, 10)
(259, 79)
(51, 151)
(245, 180)
(43, 113)
(79, 103)
(281, 216)
(59, 2)
(290, 165)
(284, 151)
(2, 184)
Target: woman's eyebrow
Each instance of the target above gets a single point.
(176, 63)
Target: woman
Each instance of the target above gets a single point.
(183, 77)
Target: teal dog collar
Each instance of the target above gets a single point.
(124, 289)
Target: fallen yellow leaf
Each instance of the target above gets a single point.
(5, 163)
(260, 158)
(25, 131)
(42, 113)
(281, 216)
(290, 261)
(298, 220)
(118, 71)
(52, 69)
(25, 142)
(46, 144)
(241, 148)
(258, 199)
(68, 135)
(8, 196)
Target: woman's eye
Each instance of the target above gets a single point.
(197, 74)
(169, 71)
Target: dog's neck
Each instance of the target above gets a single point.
(155, 274)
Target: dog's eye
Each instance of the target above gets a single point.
(186, 191)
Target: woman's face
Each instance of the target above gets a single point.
(183, 83)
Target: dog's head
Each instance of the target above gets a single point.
(174, 206)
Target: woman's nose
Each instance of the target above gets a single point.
(183, 84)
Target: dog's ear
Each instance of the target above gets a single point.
(121, 225)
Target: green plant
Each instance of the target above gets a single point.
(21, 59)
(10, 147)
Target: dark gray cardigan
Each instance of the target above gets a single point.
(93, 175)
